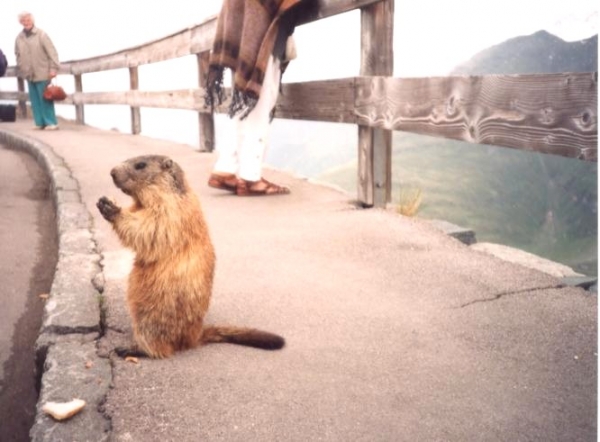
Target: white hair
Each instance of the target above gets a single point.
(25, 14)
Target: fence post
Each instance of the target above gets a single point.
(206, 121)
(79, 115)
(22, 103)
(136, 119)
(375, 145)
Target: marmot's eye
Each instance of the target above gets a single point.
(139, 166)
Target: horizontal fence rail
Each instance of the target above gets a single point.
(554, 113)
(547, 113)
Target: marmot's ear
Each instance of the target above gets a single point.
(167, 163)
(177, 175)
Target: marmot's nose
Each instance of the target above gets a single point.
(113, 174)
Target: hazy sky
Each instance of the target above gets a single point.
(431, 37)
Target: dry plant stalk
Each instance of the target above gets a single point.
(409, 201)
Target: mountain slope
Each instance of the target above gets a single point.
(544, 204)
(540, 52)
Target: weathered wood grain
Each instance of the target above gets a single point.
(14, 96)
(23, 97)
(553, 113)
(202, 36)
(328, 8)
(190, 99)
(547, 113)
(79, 111)
(375, 146)
(377, 39)
(206, 121)
(185, 42)
(136, 118)
(119, 60)
(328, 100)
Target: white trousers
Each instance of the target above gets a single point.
(245, 157)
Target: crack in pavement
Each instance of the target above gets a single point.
(511, 293)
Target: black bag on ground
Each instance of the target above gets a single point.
(8, 112)
(3, 63)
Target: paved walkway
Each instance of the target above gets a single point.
(28, 251)
(395, 332)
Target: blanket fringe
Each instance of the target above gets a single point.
(241, 104)
(215, 95)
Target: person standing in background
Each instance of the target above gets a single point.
(37, 62)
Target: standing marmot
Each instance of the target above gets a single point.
(171, 281)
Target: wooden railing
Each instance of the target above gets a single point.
(550, 113)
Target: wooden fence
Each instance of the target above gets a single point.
(550, 113)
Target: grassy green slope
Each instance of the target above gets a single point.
(543, 204)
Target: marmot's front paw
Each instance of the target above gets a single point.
(108, 209)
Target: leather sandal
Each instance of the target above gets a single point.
(244, 188)
(223, 182)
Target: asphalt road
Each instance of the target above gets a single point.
(28, 251)
(394, 331)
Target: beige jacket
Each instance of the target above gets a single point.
(36, 55)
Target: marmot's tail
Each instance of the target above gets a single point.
(242, 336)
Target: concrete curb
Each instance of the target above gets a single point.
(567, 276)
(67, 361)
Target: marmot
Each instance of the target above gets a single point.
(171, 282)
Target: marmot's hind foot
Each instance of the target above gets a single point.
(124, 352)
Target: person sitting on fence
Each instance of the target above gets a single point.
(253, 40)
(37, 62)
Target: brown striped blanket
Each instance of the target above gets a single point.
(247, 33)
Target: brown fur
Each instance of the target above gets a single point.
(171, 282)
